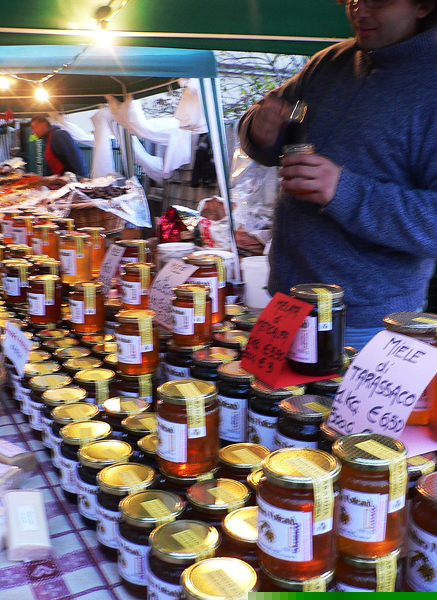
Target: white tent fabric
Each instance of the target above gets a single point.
(190, 111)
(103, 158)
(76, 132)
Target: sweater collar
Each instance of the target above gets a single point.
(422, 45)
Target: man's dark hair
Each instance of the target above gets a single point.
(427, 22)
(40, 118)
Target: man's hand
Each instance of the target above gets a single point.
(271, 116)
(310, 177)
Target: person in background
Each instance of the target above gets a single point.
(361, 211)
(61, 153)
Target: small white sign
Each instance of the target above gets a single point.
(16, 347)
(382, 384)
(109, 266)
(174, 273)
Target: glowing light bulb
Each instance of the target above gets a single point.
(4, 82)
(103, 36)
(41, 94)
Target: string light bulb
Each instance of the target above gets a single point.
(103, 36)
(41, 94)
(4, 82)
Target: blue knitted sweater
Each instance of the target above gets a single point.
(376, 115)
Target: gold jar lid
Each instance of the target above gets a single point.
(71, 352)
(235, 339)
(411, 322)
(362, 562)
(180, 391)
(213, 356)
(53, 334)
(172, 347)
(149, 444)
(188, 481)
(91, 339)
(265, 391)
(300, 467)
(232, 371)
(218, 578)
(427, 487)
(73, 236)
(143, 423)
(40, 368)
(201, 260)
(74, 411)
(222, 327)
(36, 356)
(73, 365)
(84, 432)
(41, 383)
(254, 478)
(124, 406)
(234, 310)
(129, 478)
(63, 395)
(187, 290)
(133, 243)
(133, 267)
(93, 375)
(151, 508)
(246, 321)
(184, 542)
(80, 286)
(45, 226)
(421, 464)
(307, 408)
(309, 292)
(102, 453)
(293, 585)
(241, 525)
(243, 456)
(133, 316)
(221, 495)
(92, 229)
(66, 342)
(105, 348)
(111, 360)
(113, 305)
(369, 451)
(45, 277)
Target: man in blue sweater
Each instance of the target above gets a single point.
(362, 211)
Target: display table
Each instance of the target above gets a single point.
(78, 568)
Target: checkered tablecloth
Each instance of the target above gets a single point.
(78, 569)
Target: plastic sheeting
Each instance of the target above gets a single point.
(189, 111)
(103, 158)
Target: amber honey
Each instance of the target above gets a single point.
(210, 271)
(45, 240)
(191, 309)
(44, 297)
(7, 224)
(134, 251)
(15, 280)
(44, 265)
(98, 247)
(75, 257)
(87, 301)
(357, 574)
(137, 342)
(65, 224)
(240, 534)
(99, 384)
(136, 283)
(22, 226)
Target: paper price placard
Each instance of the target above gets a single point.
(382, 385)
(110, 264)
(16, 347)
(174, 273)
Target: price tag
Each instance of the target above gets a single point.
(16, 347)
(110, 264)
(382, 384)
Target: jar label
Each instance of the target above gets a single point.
(12, 286)
(77, 308)
(20, 235)
(199, 306)
(261, 429)
(37, 305)
(35, 416)
(37, 246)
(421, 566)
(25, 407)
(315, 584)
(131, 292)
(46, 431)
(386, 570)
(56, 452)
(222, 584)
(7, 229)
(145, 385)
(344, 587)
(89, 299)
(87, 499)
(196, 418)
(363, 516)
(324, 305)
(183, 320)
(232, 418)
(130, 349)
(132, 561)
(107, 526)
(172, 440)
(173, 372)
(68, 261)
(68, 474)
(303, 348)
(157, 589)
(285, 534)
(282, 441)
(157, 509)
(213, 289)
(426, 465)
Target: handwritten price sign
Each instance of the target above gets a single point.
(109, 266)
(16, 347)
(383, 384)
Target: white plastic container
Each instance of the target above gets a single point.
(255, 273)
(164, 252)
(228, 258)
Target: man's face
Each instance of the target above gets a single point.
(395, 21)
(39, 129)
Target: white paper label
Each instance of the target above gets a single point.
(25, 406)
(158, 589)
(173, 372)
(132, 561)
(129, 349)
(131, 292)
(172, 440)
(16, 346)
(56, 451)
(363, 516)
(232, 418)
(37, 246)
(12, 286)
(213, 289)
(77, 311)
(261, 429)
(183, 320)
(421, 566)
(68, 261)
(27, 519)
(282, 441)
(68, 474)
(46, 431)
(110, 264)
(7, 228)
(107, 526)
(19, 235)
(35, 416)
(37, 304)
(87, 499)
(303, 348)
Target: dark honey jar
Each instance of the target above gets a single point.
(191, 310)
(87, 307)
(33, 370)
(137, 342)
(140, 515)
(94, 457)
(136, 427)
(144, 386)
(180, 485)
(174, 547)
(74, 365)
(299, 421)
(98, 383)
(178, 360)
(115, 483)
(416, 467)
(44, 297)
(324, 387)
(358, 574)
(234, 391)
(218, 578)
(38, 385)
(240, 459)
(240, 534)
(118, 408)
(64, 415)
(328, 435)
(52, 398)
(15, 280)
(148, 453)
(317, 348)
(234, 340)
(263, 411)
(274, 583)
(206, 361)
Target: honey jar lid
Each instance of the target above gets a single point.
(307, 408)
(172, 347)
(40, 368)
(111, 360)
(132, 243)
(218, 495)
(149, 444)
(92, 229)
(144, 423)
(232, 371)
(124, 406)
(188, 481)
(132, 267)
(235, 339)
(222, 327)
(151, 508)
(300, 467)
(91, 339)
(82, 363)
(36, 356)
(367, 562)
(265, 391)
(243, 456)
(93, 375)
(74, 411)
(309, 292)
(427, 487)
(43, 226)
(71, 352)
(123, 479)
(83, 432)
(254, 478)
(369, 451)
(71, 236)
(324, 387)
(234, 310)
(113, 305)
(218, 578)
(329, 433)
(58, 396)
(180, 391)
(53, 334)
(421, 465)
(187, 290)
(102, 453)
(241, 525)
(66, 342)
(41, 383)
(45, 277)
(293, 585)
(201, 260)
(105, 348)
(213, 356)
(246, 321)
(184, 542)
(411, 322)
(133, 316)
(81, 285)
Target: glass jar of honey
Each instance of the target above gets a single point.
(374, 484)
(94, 457)
(74, 365)
(240, 534)
(297, 501)
(75, 257)
(22, 226)
(52, 398)
(252, 482)
(178, 360)
(98, 247)
(238, 460)
(112, 307)
(64, 415)
(210, 271)
(99, 384)
(115, 483)
(299, 421)
(174, 547)
(7, 224)
(136, 427)
(87, 301)
(65, 224)
(218, 578)
(134, 251)
(234, 339)
(140, 515)
(358, 574)
(234, 390)
(324, 387)
(416, 467)
(118, 408)
(44, 296)
(245, 321)
(148, 452)
(180, 485)
(38, 385)
(187, 427)
(45, 240)
(317, 348)
(33, 370)
(273, 583)
(143, 386)
(191, 310)
(137, 342)
(328, 435)
(22, 251)
(15, 280)
(207, 360)
(104, 349)
(136, 283)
